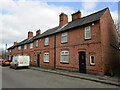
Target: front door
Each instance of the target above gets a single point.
(38, 60)
(11, 57)
(82, 62)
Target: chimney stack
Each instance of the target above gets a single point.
(15, 43)
(30, 34)
(38, 32)
(63, 19)
(76, 15)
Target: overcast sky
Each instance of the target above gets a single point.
(17, 17)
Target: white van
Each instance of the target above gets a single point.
(20, 61)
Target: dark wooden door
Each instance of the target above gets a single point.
(11, 57)
(82, 62)
(38, 60)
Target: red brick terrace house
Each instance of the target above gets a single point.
(86, 44)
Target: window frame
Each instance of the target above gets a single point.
(31, 45)
(19, 47)
(86, 30)
(25, 46)
(44, 59)
(46, 43)
(93, 64)
(62, 53)
(64, 35)
(10, 50)
(36, 44)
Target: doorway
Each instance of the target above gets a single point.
(38, 60)
(11, 57)
(82, 62)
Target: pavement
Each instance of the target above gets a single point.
(115, 80)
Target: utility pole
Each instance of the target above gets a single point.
(5, 50)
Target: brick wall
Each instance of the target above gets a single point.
(104, 40)
(77, 43)
(109, 37)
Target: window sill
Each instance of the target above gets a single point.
(87, 39)
(45, 62)
(64, 63)
(92, 64)
(64, 42)
(46, 45)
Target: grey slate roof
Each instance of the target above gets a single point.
(76, 23)
(18, 44)
(48, 32)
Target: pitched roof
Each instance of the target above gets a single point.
(18, 44)
(48, 32)
(76, 23)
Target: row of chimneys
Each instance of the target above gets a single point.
(30, 35)
(63, 19)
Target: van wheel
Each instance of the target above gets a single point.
(15, 67)
(27, 67)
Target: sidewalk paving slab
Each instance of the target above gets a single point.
(97, 78)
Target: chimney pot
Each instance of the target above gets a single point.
(63, 19)
(76, 15)
(30, 34)
(15, 43)
(38, 32)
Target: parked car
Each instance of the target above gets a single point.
(1, 61)
(6, 62)
(20, 61)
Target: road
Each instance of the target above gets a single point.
(27, 78)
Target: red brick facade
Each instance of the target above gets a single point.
(103, 45)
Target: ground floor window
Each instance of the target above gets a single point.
(92, 60)
(64, 57)
(46, 57)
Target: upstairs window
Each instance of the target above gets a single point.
(36, 43)
(46, 57)
(64, 57)
(87, 33)
(19, 48)
(10, 50)
(46, 41)
(64, 37)
(6, 50)
(25, 46)
(31, 45)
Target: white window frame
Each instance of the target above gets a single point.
(6, 50)
(10, 50)
(36, 43)
(46, 57)
(19, 47)
(25, 46)
(88, 31)
(64, 37)
(91, 60)
(46, 41)
(31, 45)
(62, 54)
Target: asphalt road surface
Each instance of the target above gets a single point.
(27, 78)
